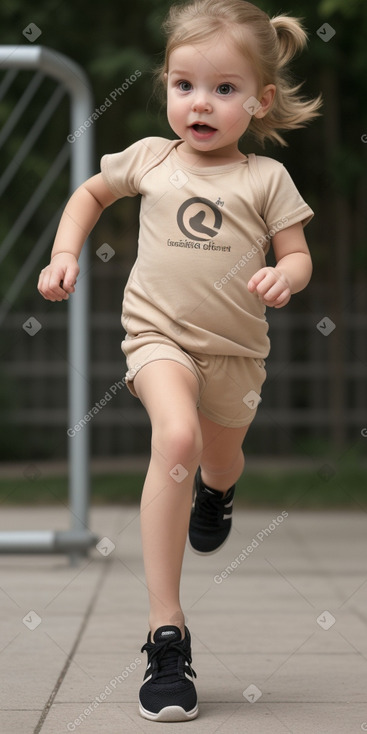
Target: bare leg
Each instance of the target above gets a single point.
(222, 461)
(169, 392)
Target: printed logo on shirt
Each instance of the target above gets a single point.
(199, 219)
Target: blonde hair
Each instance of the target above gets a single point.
(277, 40)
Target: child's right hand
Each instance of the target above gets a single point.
(58, 279)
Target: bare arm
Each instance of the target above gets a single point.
(80, 215)
(293, 270)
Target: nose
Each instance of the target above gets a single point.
(201, 102)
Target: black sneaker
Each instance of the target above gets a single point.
(211, 517)
(168, 692)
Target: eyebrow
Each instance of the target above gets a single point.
(221, 74)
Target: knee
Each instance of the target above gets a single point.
(221, 465)
(178, 442)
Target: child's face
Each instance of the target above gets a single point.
(209, 84)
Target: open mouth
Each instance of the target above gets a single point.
(203, 129)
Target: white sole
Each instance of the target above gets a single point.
(205, 553)
(169, 713)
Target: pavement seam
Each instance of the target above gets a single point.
(100, 582)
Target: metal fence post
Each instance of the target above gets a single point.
(79, 538)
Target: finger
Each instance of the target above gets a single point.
(70, 277)
(256, 279)
(266, 284)
(274, 291)
(66, 289)
(55, 284)
(283, 299)
(51, 285)
(42, 280)
(42, 285)
(279, 302)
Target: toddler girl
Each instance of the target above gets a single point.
(194, 305)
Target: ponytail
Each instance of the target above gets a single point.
(289, 110)
(291, 37)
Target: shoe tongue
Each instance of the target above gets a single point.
(167, 633)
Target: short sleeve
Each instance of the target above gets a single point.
(281, 198)
(123, 171)
(118, 171)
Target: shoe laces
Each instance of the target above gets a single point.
(167, 650)
(209, 506)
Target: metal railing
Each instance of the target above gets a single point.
(72, 80)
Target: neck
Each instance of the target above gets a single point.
(211, 158)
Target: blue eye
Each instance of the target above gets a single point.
(225, 89)
(184, 86)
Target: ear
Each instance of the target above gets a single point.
(165, 77)
(266, 100)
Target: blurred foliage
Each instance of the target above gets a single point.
(337, 485)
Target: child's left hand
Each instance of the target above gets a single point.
(271, 286)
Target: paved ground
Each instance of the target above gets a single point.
(279, 639)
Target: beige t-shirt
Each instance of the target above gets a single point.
(203, 233)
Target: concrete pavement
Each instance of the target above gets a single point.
(277, 618)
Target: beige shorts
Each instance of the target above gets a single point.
(229, 387)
